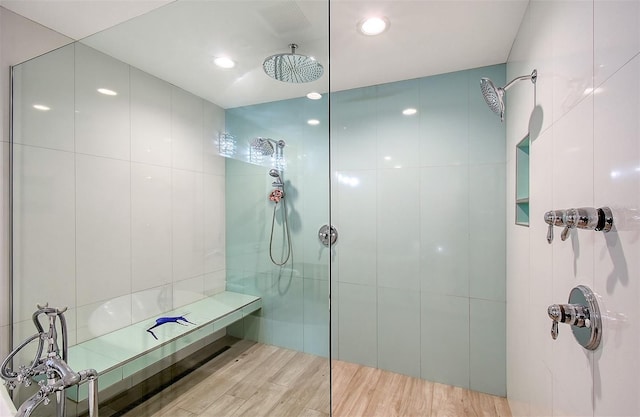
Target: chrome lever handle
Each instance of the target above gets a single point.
(555, 218)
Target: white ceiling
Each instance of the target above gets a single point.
(177, 40)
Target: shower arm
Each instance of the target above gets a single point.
(533, 77)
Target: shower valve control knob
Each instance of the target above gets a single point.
(582, 313)
(328, 235)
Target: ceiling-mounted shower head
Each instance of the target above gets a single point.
(292, 67)
(494, 96)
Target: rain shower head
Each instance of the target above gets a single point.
(262, 146)
(292, 67)
(494, 96)
(265, 146)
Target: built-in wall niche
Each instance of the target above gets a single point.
(522, 182)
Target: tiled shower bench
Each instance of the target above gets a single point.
(124, 352)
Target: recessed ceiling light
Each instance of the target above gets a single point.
(224, 62)
(314, 96)
(41, 107)
(313, 122)
(107, 92)
(372, 26)
(409, 112)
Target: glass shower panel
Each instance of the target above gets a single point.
(139, 205)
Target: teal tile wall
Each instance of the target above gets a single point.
(295, 313)
(420, 204)
(419, 269)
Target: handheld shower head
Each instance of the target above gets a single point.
(278, 183)
(274, 173)
(494, 96)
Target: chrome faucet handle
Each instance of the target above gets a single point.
(555, 218)
(554, 330)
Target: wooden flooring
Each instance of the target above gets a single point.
(255, 380)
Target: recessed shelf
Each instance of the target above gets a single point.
(522, 182)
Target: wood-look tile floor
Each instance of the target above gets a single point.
(255, 380)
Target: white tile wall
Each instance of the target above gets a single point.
(150, 126)
(103, 228)
(49, 82)
(20, 39)
(124, 231)
(102, 124)
(186, 130)
(616, 183)
(150, 226)
(187, 217)
(586, 154)
(44, 229)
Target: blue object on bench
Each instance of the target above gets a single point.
(164, 320)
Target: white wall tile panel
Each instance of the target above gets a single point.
(214, 222)
(187, 220)
(103, 317)
(572, 47)
(152, 302)
(103, 228)
(538, 44)
(588, 157)
(150, 126)
(616, 36)
(186, 130)
(102, 124)
(44, 229)
(616, 184)
(188, 291)
(150, 226)
(47, 81)
(213, 125)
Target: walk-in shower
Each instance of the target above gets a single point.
(494, 96)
